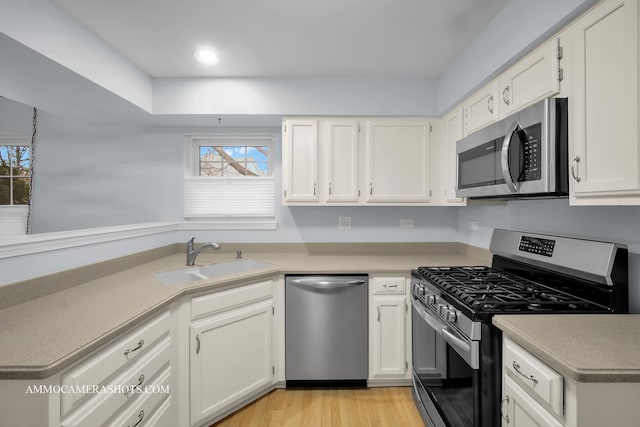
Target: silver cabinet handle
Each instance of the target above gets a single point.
(140, 381)
(140, 418)
(504, 158)
(378, 308)
(531, 378)
(314, 188)
(574, 165)
(390, 286)
(131, 350)
(329, 188)
(197, 344)
(371, 188)
(502, 414)
(490, 104)
(505, 95)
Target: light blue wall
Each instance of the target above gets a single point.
(619, 224)
(519, 25)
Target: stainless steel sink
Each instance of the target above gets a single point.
(211, 271)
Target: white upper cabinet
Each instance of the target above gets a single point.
(300, 161)
(356, 161)
(452, 133)
(342, 148)
(604, 155)
(397, 152)
(535, 77)
(481, 108)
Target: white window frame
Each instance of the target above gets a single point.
(13, 218)
(192, 178)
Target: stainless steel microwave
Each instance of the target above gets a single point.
(521, 156)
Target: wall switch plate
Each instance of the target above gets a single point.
(473, 225)
(406, 223)
(344, 223)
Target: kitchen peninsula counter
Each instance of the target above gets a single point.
(584, 347)
(42, 336)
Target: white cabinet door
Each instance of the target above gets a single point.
(531, 79)
(230, 358)
(604, 153)
(300, 161)
(452, 133)
(398, 161)
(521, 410)
(388, 326)
(481, 108)
(342, 143)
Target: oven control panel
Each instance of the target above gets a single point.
(536, 245)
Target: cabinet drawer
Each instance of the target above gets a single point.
(146, 405)
(534, 376)
(384, 285)
(223, 300)
(125, 388)
(97, 369)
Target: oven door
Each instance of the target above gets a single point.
(445, 383)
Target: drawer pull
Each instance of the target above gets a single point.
(131, 350)
(531, 378)
(140, 418)
(140, 381)
(390, 286)
(506, 417)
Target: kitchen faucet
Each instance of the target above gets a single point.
(193, 253)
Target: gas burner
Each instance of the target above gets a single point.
(488, 290)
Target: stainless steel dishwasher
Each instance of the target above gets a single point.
(326, 339)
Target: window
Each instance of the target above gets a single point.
(228, 180)
(234, 160)
(15, 164)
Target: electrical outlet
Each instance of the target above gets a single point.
(473, 225)
(344, 223)
(406, 223)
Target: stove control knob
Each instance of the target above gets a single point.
(452, 316)
(421, 290)
(431, 299)
(442, 309)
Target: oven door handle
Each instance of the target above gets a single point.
(455, 341)
(422, 312)
(504, 158)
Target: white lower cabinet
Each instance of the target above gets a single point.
(231, 355)
(389, 344)
(533, 394)
(520, 409)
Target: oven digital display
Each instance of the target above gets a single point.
(537, 246)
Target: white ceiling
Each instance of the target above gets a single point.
(288, 38)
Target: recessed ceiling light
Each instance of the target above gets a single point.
(206, 56)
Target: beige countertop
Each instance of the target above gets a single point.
(42, 336)
(586, 348)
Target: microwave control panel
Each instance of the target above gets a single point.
(530, 139)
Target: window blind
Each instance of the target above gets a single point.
(244, 197)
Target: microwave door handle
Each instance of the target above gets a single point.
(504, 158)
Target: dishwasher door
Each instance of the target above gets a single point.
(326, 338)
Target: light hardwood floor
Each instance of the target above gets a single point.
(375, 407)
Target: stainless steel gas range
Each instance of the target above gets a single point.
(456, 349)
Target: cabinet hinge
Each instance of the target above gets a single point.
(273, 311)
(285, 193)
(406, 365)
(560, 51)
(273, 370)
(430, 128)
(358, 127)
(285, 128)
(560, 74)
(358, 193)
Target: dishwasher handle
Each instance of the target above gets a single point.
(327, 282)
